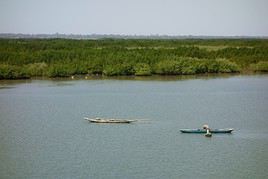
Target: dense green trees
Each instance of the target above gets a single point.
(12, 72)
(37, 69)
(261, 66)
(142, 69)
(188, 66)
(24, 58)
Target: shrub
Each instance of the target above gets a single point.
(212, 66)
(37, 69)
(111, 70)
(225, 66)
(95, 68)
(221, 66)
(262, 66)
(201, 66)
(59, 70)
(118, 69)
(168, 67)
(12, 72)
(142, 69)
(189, 70)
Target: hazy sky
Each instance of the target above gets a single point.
(170, 17)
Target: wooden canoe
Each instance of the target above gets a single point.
(102, 120)
(202, 131)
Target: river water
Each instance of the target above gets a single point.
(43, 133)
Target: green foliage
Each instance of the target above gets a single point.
(168, 67)
(261, 66)
(37, 69)
(225, 66)
(12, 72)
(95, 68)
(112, 70)
(142, 69)
(118, 69)
(185, 66)
(61, 70)
(188, 66)
(22, 58)
(222, 66)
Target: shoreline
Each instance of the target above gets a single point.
(138, 78)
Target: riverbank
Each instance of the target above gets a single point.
(27, 58)
(133, 78)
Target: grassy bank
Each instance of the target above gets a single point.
(25, 58)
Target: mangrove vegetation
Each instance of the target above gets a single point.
(26, 58)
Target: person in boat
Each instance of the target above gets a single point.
(205, 126)
(208, 134)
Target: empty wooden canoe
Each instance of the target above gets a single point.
(102, 120)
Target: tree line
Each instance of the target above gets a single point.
(25, 58)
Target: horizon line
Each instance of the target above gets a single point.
(92, 35)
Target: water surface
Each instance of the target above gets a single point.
(43, 133)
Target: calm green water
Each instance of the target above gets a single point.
(43, 133)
